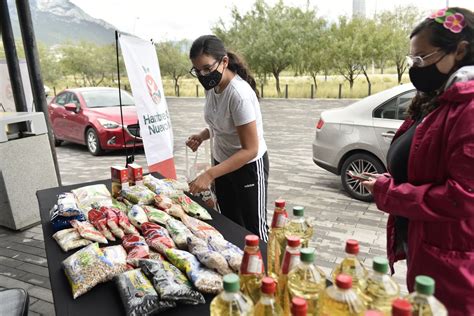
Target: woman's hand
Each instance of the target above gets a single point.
(201, 183)
(194, 141)
(369, 184)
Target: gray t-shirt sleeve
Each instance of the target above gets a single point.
(242, 111)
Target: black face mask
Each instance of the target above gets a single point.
(427, 79)
(210, 80)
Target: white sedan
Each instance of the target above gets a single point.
(357, 137)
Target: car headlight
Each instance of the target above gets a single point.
(108, 124)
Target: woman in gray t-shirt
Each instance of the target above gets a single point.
(233, 114)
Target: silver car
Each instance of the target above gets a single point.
(357, 137)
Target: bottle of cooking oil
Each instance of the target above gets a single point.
(352, 266)
(267, 305)
(290, 260)
(231, 302)
(423, 301)
(341, 299)
(251, 269)
(299, 307)
(381, 289)
(276, 240)
(401, 307)
(298, 226)
(306, 280)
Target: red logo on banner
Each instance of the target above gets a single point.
(153, 89)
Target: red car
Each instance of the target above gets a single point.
(91, 116)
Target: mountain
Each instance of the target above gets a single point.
(59, 21)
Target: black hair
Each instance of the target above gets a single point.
(213, 46)
(447, 41)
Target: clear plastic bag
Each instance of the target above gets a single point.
(92, 196)
(155, 215)
(231, 252)
(199, 228)
(139, 194)
(157, 237)
(67, 205)
(179, 232)
(137, 216)
(118, 257)
(136, 248)
(69, 239)
(208, 257)
(190, 207)
(60, 222)
(88, 231)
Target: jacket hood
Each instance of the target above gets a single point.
(460, 85)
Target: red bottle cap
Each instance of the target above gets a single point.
(280, 203)
(298, 306)
(268, 285)
(344, 281)
(251, 240)
(293, 241)
(352, 247)
(401, 307)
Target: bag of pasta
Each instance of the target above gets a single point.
(191, 207)
(99, 220)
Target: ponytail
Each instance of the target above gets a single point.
(238, 66)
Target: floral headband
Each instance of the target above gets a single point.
(453, 21)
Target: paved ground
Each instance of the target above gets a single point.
(289, 127)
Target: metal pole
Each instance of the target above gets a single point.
(197, 91)
(261, 90)
(34, 69)
(340, 90)
(312, 91)
(120, 97)
(12, 58)
(286, 91)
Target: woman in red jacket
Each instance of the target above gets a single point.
(429, 190)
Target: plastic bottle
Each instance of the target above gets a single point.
(276, 239)
(290, 260)
(381, 289)
(267, 305)
(401, 307)
(341, 299)
(298, 226)
(352, 266)
(231, 302)
(299, 307)
(307, 280)
(423, 301)
(251, 269)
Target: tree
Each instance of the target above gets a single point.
(174, 61)
(268, 37)
(51, 70)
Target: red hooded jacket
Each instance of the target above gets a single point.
(438, 200)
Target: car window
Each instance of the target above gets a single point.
(106, 98)
(62, 99)
(74, 99)
(395, 109)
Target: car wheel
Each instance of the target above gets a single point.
(93, 143)
(57, 142)
(359, 163)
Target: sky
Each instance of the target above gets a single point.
(162, 20)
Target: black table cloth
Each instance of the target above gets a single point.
(104, 298)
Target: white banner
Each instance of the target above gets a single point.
(6, 95)
(147, 88)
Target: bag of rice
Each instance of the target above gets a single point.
(139, 194)
(86, 268)
(118, 257)
(138, 295)
(211, 259)
(88, 231)
(69, 239)
(231, 252)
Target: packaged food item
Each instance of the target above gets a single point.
(205, 280)
(155, 215)
(163, 202)
(177, 185)
(124, 223)
(99, 220)
(211, 259)
(92, 196)
(191, 207)
(69, 239)
(231, 252)
(170, 283)
(88, 231)
(157, 237)
(179, 232)
(62, 222)
(159, 186)
(231, 301)
(135, 174)
(86, 268)
(119, 179)
(139, 194)
(136, 248)
(156, 255)
(199, 228)
(118, 257)
(67, 205)
(113, 221)
(137, 216)
(138, 295)
(119, 205)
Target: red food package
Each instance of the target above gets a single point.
(99, 220)
(157, 237)
(113, 220)
(163, 202)
(124, 223)
(137, 249)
